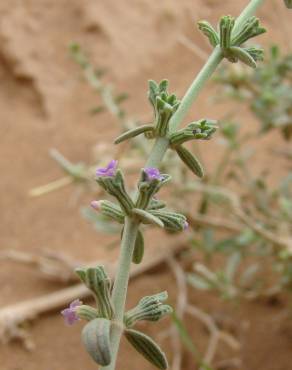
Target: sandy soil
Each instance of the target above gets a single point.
(45, 104)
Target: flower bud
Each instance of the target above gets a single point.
(96, 279)
(164, 105)
(113, 183)
(200, 130)
(150, 182)
(150, 308)
(109, 209)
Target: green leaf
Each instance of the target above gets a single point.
(226, 25)
(163, 85)
(96, 280)
(147, 217)
(232, 265)
(98, 109)
(209, 31)
(243, 56)
(121, 97)
(250, 29)
(191, 161)
(198, 282)
(172, 221)
(134, 132)
(138, 249)
(147, 347)
(96, 339)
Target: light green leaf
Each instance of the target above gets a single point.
(147, 347)
(96, 339)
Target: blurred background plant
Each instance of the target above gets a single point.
(267, 90)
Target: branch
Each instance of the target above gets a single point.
(182, 300)
(215, 333)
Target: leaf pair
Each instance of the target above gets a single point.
(230, 44)
(96, 339)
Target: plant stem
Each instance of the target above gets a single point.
(131, 227)
(193, 91)
(156, 156)
(121, 285)
(247, 12)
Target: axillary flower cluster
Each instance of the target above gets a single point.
(146, 209)
(108, 321)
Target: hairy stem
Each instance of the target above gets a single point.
(248, 12)
(193, 91)
(121, 285)
(155, 158)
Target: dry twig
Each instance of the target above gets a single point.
(215, 333)
(184, 307)
(182, 300)
(54, 266)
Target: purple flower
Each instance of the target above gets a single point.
(109, 170)
(95, 204)
(186, 225)
(153, 173)
(69, 313)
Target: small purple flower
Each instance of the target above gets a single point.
(109, 170)
(186, 225)
(153, 173)
(95, 204)
(69, 313)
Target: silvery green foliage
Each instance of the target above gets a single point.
(144, 129)
(145, 209)
(232, 45)
(150, 308)
(148, 188)
(96, 280)
(96, 333)
(111, 210)
(115, 186)
(147, 347)
(87, 313)
(200, 130)
(190, 160)
(139, 248)
(164, 106)
(96, 339)
(172, 221)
